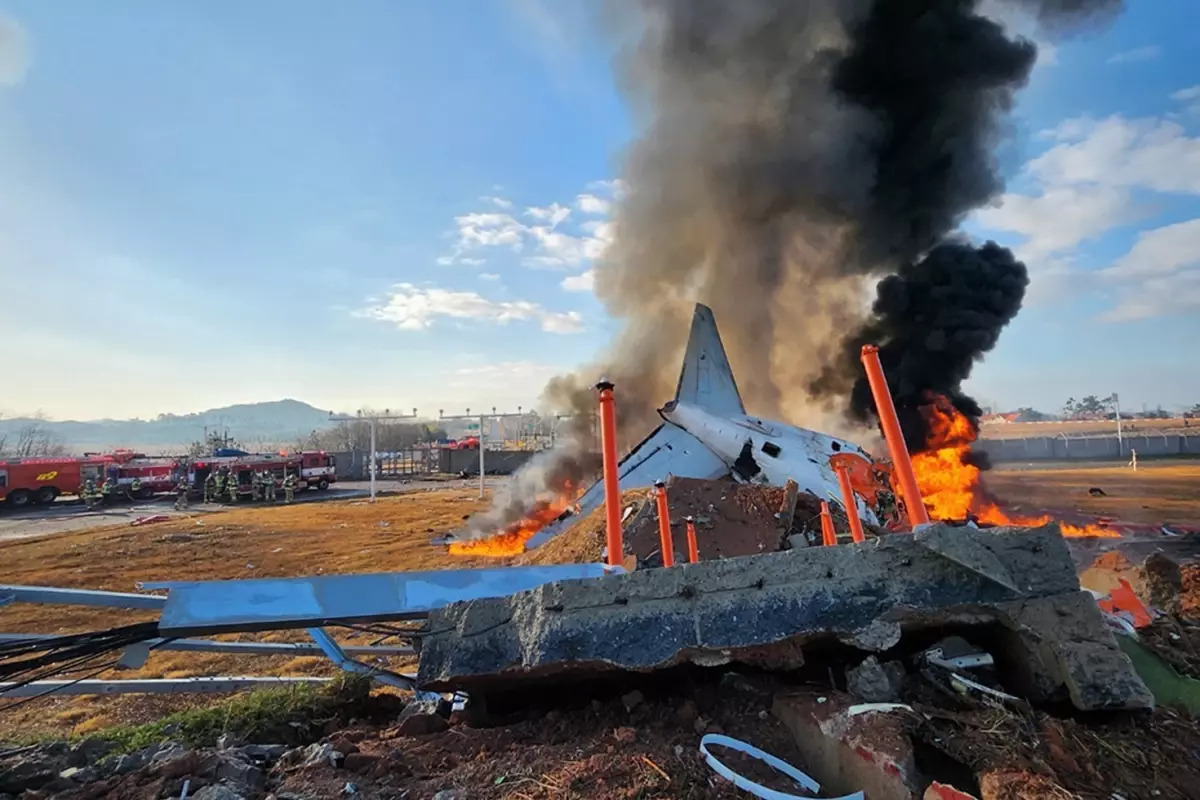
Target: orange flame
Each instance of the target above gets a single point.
(950, 483)
(511, 540)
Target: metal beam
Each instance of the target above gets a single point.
(52, 595)
(275, 603)
(241, 648)
(335, 653)
(152, 686)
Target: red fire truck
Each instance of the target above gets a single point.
(25, 481)
(154, 475)
(315, 469)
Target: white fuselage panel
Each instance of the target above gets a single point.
(780, 451)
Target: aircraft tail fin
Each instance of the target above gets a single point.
(706, 380)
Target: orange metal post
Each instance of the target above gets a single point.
(895, 439)
(664, 525)
(856, 529)
(612, 488)
(693, 548)
(828, 534)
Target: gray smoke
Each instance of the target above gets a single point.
(792, 153)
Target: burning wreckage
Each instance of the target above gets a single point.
(487, 630)
(884, 589)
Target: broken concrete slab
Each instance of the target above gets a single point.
(870, 753)
(767, 610)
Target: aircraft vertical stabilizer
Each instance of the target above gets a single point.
(707, 379)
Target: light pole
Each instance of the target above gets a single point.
(373, 419)
(482, 417)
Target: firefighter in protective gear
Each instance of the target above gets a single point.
(109, 488)
(89, 494)
(135, 488)
(256, 486)
(210, 487)
(181, 494)
(231, 486)
(289, 488)
(219, 488)
(268, 486)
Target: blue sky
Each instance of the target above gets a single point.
(397, 204)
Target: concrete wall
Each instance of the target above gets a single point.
(496, 462)
(1092, 448)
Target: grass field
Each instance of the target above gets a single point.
(389, 535)
(335, 537)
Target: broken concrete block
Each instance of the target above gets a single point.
(1063, 650)
(765, 610)
(870, 753)
(875, 682)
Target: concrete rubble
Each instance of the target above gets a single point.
(1015, 587)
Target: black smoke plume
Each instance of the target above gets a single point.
(932, 321)
(792, 153)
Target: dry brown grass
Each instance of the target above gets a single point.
(1155, 493)
(305, 539)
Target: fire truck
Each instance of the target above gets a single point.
(154, 475)
(25, 481)
(316, 469)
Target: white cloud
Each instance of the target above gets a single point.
(488, 276)
(591, 204)
(499, 202)
(612, 188)
(411, 307)
(1147, 53)
(15, 52)
(1159, 275)
(1160, 251)
(1190, 98)
(524, 372)
(1184, 95)
(551, 240)
(1145, 153)
(553, 213)
(1086, 185)
(585, 282)
(473, 262)
(1060, 217)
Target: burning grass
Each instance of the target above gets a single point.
(511, 541)
(952, 485)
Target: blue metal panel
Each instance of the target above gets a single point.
(276, 603)
(52, 595)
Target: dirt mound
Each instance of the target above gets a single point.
(1189, 598)
(732, 519)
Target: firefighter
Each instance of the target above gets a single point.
(181, 494)
(232, 485)
(89, 494)
(268, 486)
(210, 487)
(135, 488)
(219, 487)
(289, 488)
(256, 485)
(109, 488)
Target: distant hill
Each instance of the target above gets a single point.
(280, 421)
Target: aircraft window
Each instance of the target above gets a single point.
(836, 447)
(771, 449)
